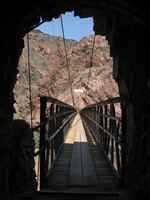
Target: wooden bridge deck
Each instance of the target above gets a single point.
(81, 166)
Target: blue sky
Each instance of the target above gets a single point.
(74, 27)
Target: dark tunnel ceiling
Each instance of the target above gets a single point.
(25, 17)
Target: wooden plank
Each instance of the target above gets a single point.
(104, 173)
(61, 169)
(59, 179)
(82, 172)
(75, 176)
(89, 174)
(106, 177)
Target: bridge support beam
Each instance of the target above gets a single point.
(42, 142)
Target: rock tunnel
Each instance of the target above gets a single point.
(126, 25)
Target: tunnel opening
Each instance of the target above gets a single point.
(49, 76)
(127, 29)
(96, 81)
(47, 60)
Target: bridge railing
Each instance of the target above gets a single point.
(106, 128)
(56, 118)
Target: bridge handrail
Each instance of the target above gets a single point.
(52, 136)
(106, 128)
(102, 103)
(53, 131)
(49, 119)
(106, 131)
(56, 101)
(112, 117)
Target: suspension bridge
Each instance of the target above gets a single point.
(80, 152)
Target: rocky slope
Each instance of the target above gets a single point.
(49, 75)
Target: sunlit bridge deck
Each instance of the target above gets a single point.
(81, 166)
(80, 152)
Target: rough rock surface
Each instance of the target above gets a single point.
(49, 76)
(22, 174)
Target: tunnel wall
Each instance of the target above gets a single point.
(10, 52)
(129, 44)
(17, 174)
(134, 89)
(132, 72)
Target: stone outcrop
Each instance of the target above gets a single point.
(49, 75)
(22, 174)
(10, 52)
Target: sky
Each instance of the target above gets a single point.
(74, 27)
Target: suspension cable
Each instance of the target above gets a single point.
(53, 26)
(67, 65)
(91, 64)
(29, 68)
(56, 93)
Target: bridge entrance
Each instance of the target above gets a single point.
(81, 166)
(126, 26)
(80, 153)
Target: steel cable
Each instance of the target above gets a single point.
(67, 65)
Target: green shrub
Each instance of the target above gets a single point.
(37, 139)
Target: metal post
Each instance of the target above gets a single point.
(52, 128)
(105, 143)
(94, 119)
(97, 120)
(123, 150)
(42, 141)
(108, 137)
(117, 148)
(60, 123)
(101, 123)
(57, 136)
(112, 132)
